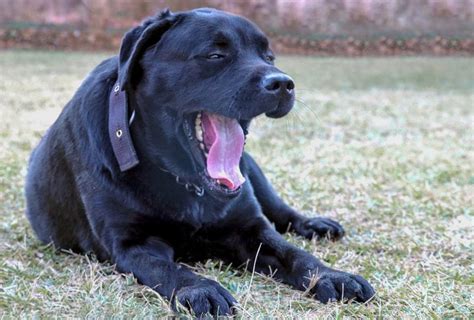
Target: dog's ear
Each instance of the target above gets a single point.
(137, 40)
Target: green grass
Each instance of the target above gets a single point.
(384, 145)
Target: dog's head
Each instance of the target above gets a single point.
(196, 79)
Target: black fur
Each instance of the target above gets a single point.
(141, 219)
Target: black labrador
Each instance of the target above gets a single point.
(145, 165)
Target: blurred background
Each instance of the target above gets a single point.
(322, 27)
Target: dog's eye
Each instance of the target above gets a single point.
(215, 56)
(270, 58)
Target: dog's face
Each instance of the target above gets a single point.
(199, 78)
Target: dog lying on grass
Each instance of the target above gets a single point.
(146, 165)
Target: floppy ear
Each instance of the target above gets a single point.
(137, 40)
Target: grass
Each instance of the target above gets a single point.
(384, 145)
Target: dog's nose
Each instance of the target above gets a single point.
(278, 83)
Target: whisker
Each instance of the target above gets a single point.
(294, 118)
(292, 121)
(306, 89)
(308, 107)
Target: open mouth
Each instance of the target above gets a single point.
(220, 141)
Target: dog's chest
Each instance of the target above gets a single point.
(203, 212)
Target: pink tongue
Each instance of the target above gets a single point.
(225, 140)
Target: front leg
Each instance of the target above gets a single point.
(283, 216)
(265, 248)
(136, 248)
(151, 262)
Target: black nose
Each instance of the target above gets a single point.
(278, 83)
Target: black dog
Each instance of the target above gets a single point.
(184, 89)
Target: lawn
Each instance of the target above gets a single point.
(383, 145)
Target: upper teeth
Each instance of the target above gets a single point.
(198, 128)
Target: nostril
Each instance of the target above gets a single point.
(273, 86)
(290, 85)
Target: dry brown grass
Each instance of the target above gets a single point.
(382, 145)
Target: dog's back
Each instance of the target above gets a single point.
(53, 203)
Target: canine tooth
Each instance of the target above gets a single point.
(206, 154)
(199, 133)
(201, 145)
(197, 122)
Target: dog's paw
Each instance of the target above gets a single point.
(207, 297)
(319, 227)
(333, 285)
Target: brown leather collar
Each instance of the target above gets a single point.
(119, 132)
